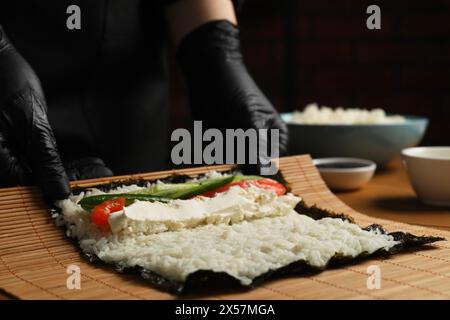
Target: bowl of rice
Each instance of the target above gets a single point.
(359, 133)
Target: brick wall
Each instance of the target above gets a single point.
(302, 51)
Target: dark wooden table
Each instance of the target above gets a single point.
(389, 195)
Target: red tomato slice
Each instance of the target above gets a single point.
(101, 212)
(270, 184)
(264, 183)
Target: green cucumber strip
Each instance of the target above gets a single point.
(187, 189)
(164, 193)
(173, 190)
(204, 186)
(165, 189)
(89, 203)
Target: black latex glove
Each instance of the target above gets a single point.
(222, 93)
(28, 152)
(87, 168)
(27, 146)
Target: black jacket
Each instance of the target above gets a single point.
(106, 85)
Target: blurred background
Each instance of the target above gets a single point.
(302, 51)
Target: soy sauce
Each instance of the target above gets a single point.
(341, 165)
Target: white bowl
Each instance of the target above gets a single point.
(338, 176)
(428, 169)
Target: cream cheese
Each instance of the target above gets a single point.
(233, 206)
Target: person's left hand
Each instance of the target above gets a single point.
(221, 90)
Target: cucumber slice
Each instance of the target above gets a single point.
(162, 192)
(88, 203)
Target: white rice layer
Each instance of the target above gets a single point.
(244, 250)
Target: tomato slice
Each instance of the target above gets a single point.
(270, 184)
(101, 212)
(264, 183)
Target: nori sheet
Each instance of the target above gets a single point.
(206, 280)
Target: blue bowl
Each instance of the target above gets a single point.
(377, 142)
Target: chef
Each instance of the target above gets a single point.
(84, 85)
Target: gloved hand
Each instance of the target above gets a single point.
(87, 168)
(222, 93)
(27, 145)
(28, 151)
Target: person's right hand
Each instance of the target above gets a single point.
(28, 151)
(87, 168)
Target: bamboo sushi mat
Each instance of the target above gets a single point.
(35, 255)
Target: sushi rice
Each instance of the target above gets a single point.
(258, 239)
